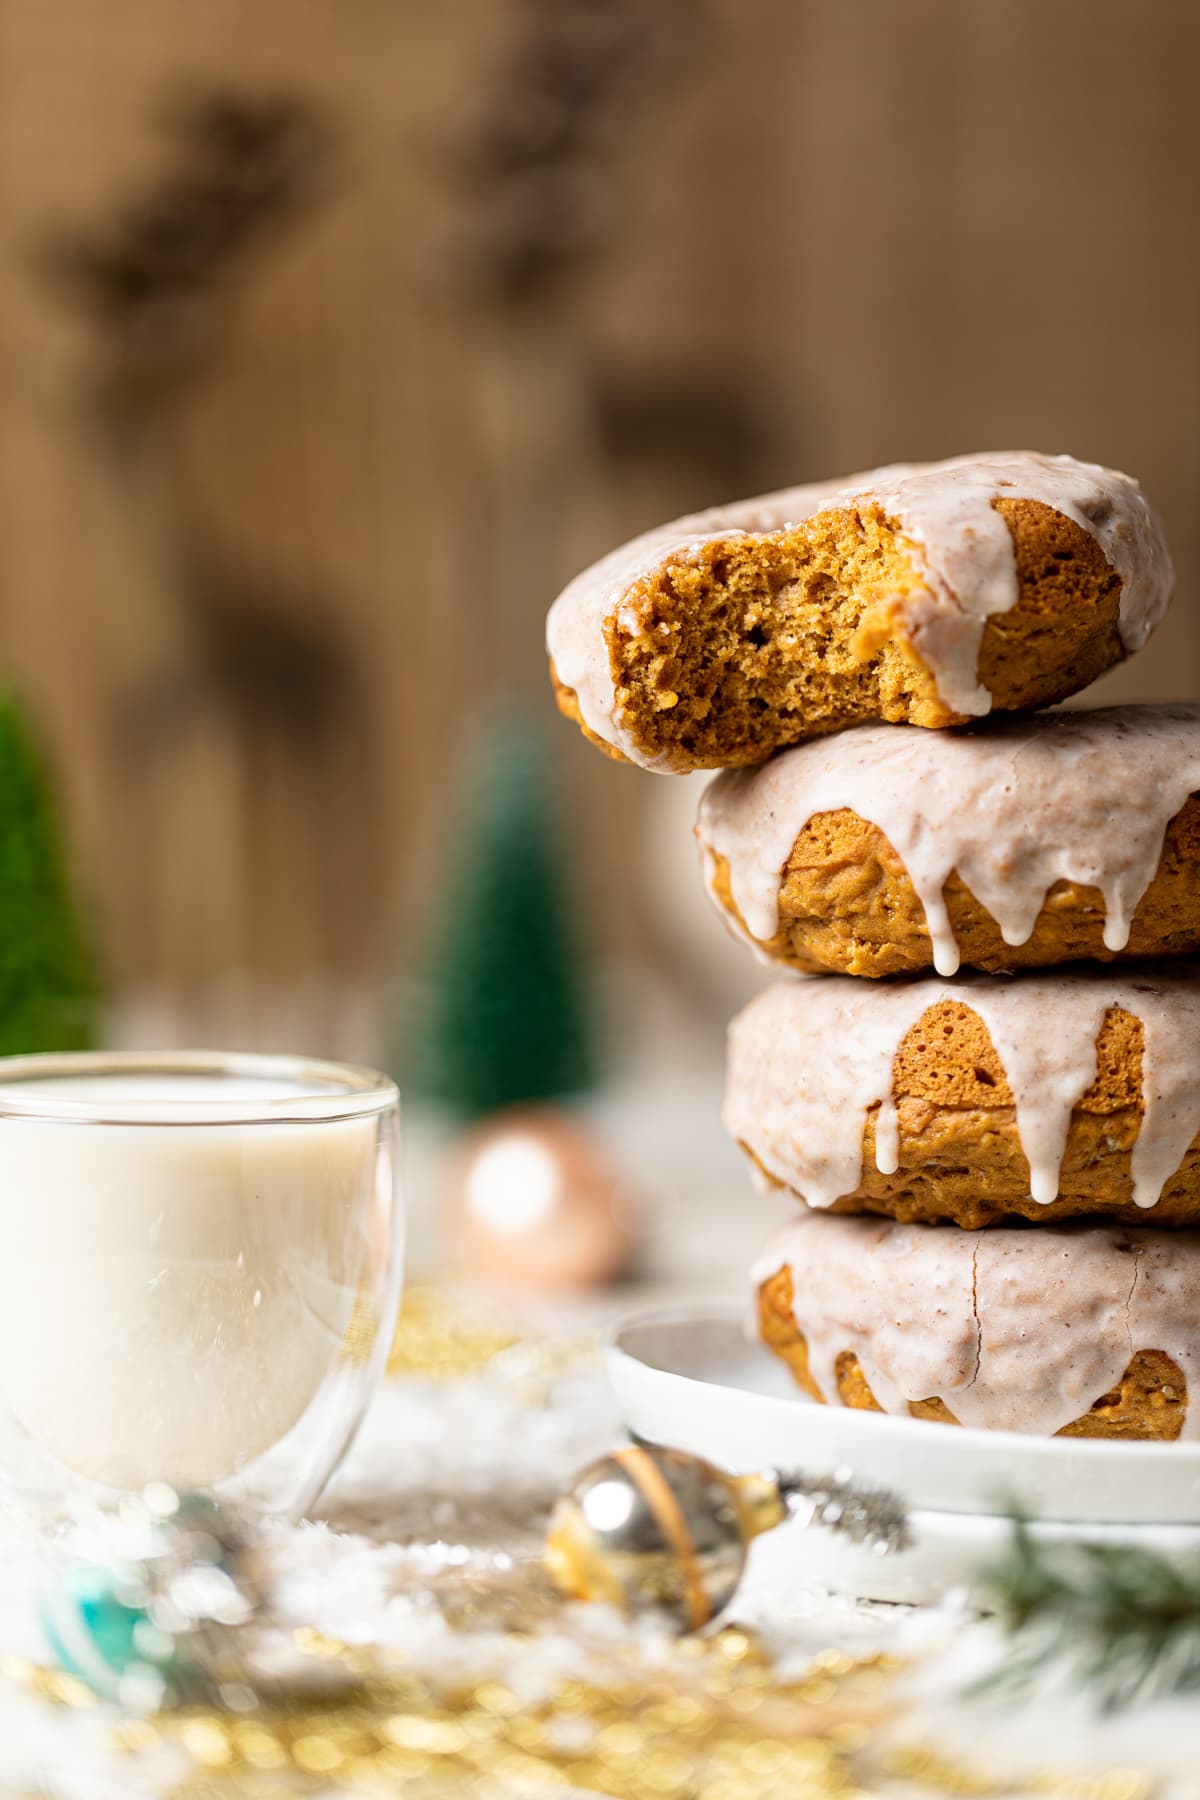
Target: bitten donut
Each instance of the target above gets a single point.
(1036, 1096)
(928, 594)
(1075, 1331)
(1015, 843)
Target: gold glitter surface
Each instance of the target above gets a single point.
(929, 1770)
(708, 1728)
(435, 1339)
(47, 1684)
(706, 1720)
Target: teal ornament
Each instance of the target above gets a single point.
(101, 1639)
(156, 1621)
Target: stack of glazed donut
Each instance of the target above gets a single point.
(979, 1073)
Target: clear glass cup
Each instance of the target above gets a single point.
(200, 1267)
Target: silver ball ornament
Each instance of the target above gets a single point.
(661, 1532)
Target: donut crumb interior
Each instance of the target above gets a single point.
(765, 640)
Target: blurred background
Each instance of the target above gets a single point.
(336, 336)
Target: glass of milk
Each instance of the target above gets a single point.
(200, 1265)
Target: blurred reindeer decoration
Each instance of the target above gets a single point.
(158, 285)
(541, 163)
(544, 176)
(256, 742)
(230, 669)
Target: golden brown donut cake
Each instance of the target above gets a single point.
(921, 593)
(1012, 844)
(1037, 1096)
(1074, 1331)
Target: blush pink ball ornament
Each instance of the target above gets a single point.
(536, 1204)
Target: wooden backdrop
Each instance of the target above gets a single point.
(257, 580)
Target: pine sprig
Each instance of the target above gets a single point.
(1122, 1622)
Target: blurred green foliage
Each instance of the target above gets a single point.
(49, 991)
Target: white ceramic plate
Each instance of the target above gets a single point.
(689, 1378)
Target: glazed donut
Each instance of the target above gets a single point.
(921, 593)
(1075, 1331)
(1016, 843)
(1038, 1096)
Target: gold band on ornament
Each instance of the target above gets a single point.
(668, 1515)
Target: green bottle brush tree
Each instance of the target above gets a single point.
(49, 992)
(505, 1019)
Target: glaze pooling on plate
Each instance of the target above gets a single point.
(809, 1058)
(1013, 806)
(1014, 1330)
(959, 542)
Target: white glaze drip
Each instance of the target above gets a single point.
(808, 1059)
(1170, 1087)
(1014, 806)
(962, 544)
(969, 562)
(1014, 1330)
